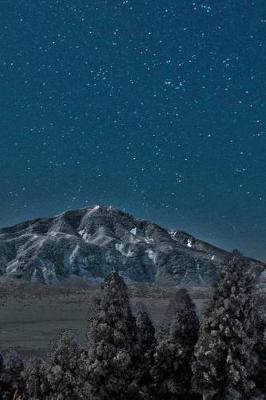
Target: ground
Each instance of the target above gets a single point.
(32, 315)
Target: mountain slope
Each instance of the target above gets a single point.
(91, 242)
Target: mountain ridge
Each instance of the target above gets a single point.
(90, 242)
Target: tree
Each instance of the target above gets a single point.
(225, 356)
(260, 374)
(65, 369)
(148, 343)
(11, 379)
(113, 346)
(179, 333)
(36, 385)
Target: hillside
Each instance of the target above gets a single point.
(90, 242)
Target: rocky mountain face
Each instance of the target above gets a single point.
(91, 242)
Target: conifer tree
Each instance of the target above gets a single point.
(260, 373)
(225, 357)
(148, 343)
(65, 369)
(179, 333)
(11, 379)
(36, 385)
(113, 347)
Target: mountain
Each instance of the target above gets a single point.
(91, 242)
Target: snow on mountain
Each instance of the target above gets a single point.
(91, 242)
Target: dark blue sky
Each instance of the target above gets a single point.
(155, 107)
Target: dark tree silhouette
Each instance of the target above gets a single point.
(36, 385)
(113, 348)
(65, 369)
(225, 353)
(148, 343)
(11, 379)
(172, 372)
(260, 373)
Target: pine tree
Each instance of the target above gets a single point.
(113, 348)
(179, 333)
(148, 343)
(65, 369)
(260, 373)
(93, 311)
(225, 356)
(11, 379)
(36, 385)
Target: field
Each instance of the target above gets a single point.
(31, 315)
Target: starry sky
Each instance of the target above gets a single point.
(155, 107)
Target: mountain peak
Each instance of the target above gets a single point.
(90, 242)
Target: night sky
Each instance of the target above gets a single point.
(157, 107)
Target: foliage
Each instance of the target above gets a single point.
(225, 353)
(113, 347)
(125, 361)
(172, 371)
(260, 373)
(11, 379)
(65, 369)
(148, 343)
(36, 385)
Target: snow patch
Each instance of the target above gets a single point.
(74, 254)
(48, 270)
(120, 247)
(12, 266)
(151, 255)
(35, 275)
(199, 274)
(100, 238)
(133, 231)
(90, 212)
(149, 240)
(189, 243)
(82, 233)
